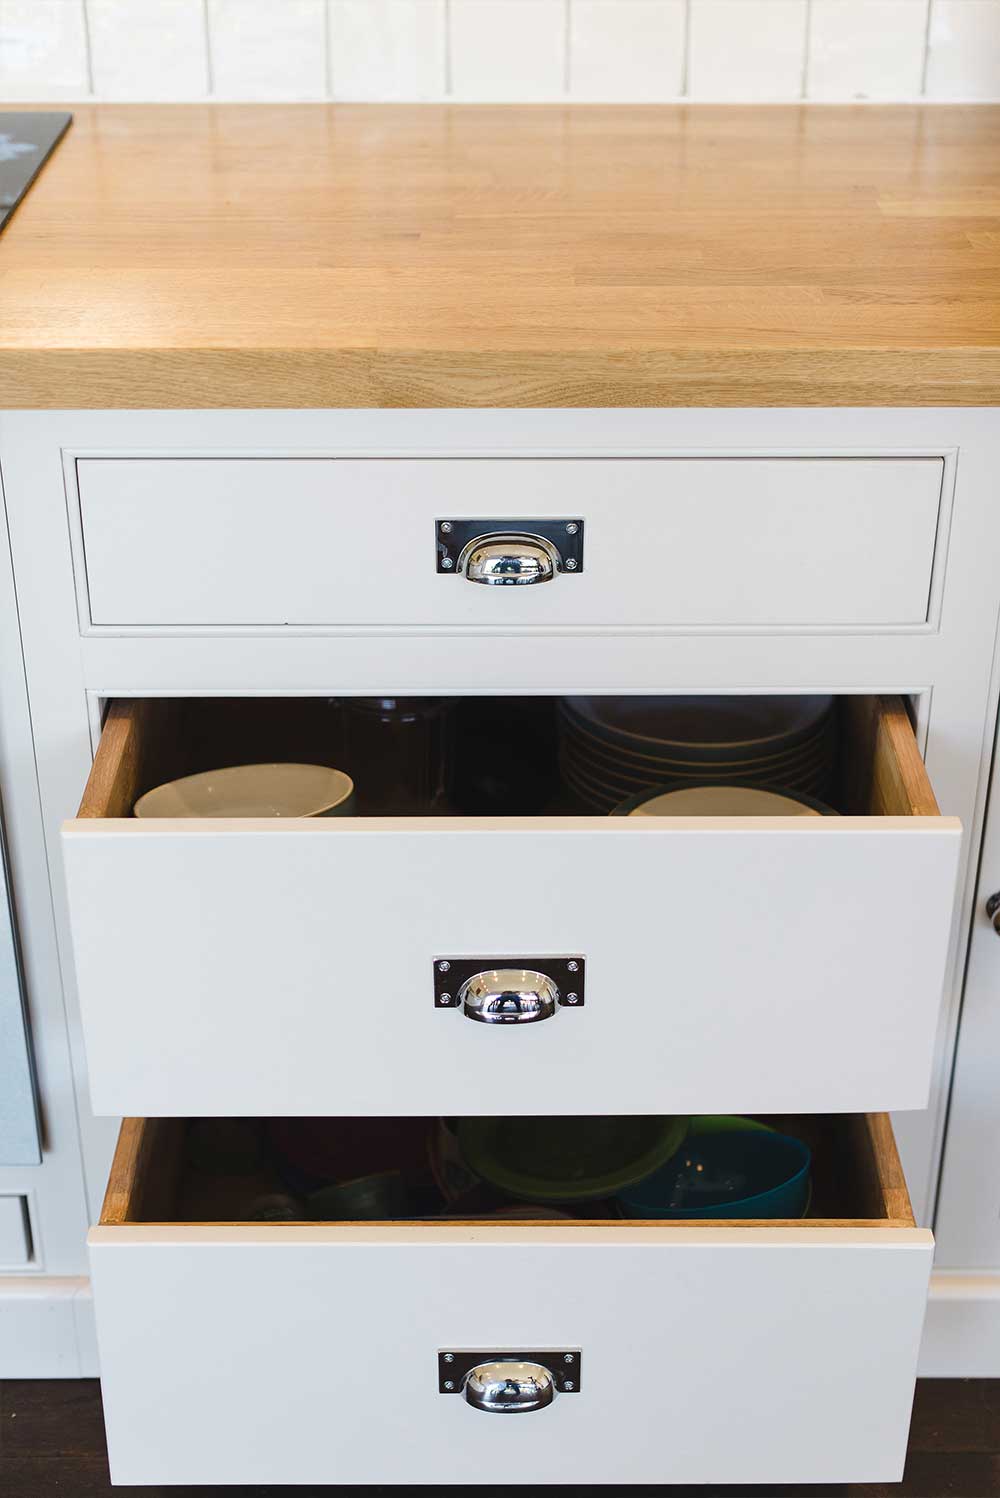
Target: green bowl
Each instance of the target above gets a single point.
(567, 1159)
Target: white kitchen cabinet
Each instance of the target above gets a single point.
(171, 1032)
(530, 335)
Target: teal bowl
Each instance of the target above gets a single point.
(728, 1168)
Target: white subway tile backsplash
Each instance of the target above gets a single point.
(866, 49)
(963, 59)
(387, 49)
(508, 50)
(260, 50)
(626, 49)
(43, 50)
(629, 51)
(148, 49)
(747, 49)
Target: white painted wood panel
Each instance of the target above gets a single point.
(47, 1325)
(732, 965)
(969, 1200)
(264, 1353)
(313, 542)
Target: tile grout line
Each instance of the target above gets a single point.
(327, 57)
(88, 51)
(927, 49)
(209, 69)
(686, 52)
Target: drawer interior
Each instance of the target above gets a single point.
(162, 1172)
(876, 767)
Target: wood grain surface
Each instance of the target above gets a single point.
(425, 255)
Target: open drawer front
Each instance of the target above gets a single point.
(237, 1351)
(268, 966)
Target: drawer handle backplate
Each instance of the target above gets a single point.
(505, 553)
(509, 990)
(509, 1383)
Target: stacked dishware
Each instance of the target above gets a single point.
(612, 748)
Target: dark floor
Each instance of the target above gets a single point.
(52, 1446)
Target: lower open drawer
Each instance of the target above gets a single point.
(309, 1352)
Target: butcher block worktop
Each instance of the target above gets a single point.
(372, 255)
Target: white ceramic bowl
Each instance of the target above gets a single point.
(275, 790)
(723, 801)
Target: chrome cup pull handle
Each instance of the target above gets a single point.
(509, 1388)
(993, 911)
(508, 996)
(500, 560)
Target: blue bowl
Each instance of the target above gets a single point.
(736, 1170)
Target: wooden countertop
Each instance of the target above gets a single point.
(383, 255)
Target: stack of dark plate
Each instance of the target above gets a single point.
(612, 747)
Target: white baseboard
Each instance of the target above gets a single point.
(46, 1327)
(962, 1329)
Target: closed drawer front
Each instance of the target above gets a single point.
(324, 542)
(280, 967)
(258, 1352)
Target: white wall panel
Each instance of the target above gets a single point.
(259, 50)
(508, 49)
(866, 49)
(152, 50)
(632, 50)
(963, 60)
(387, 49)
(741, 49)
(43, 50)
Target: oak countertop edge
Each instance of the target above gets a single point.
(153, 379)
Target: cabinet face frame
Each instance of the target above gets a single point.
(969, 1203)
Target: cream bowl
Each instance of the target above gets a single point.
(721, 801)
(273, 790)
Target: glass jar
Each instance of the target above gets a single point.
(397, 751)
